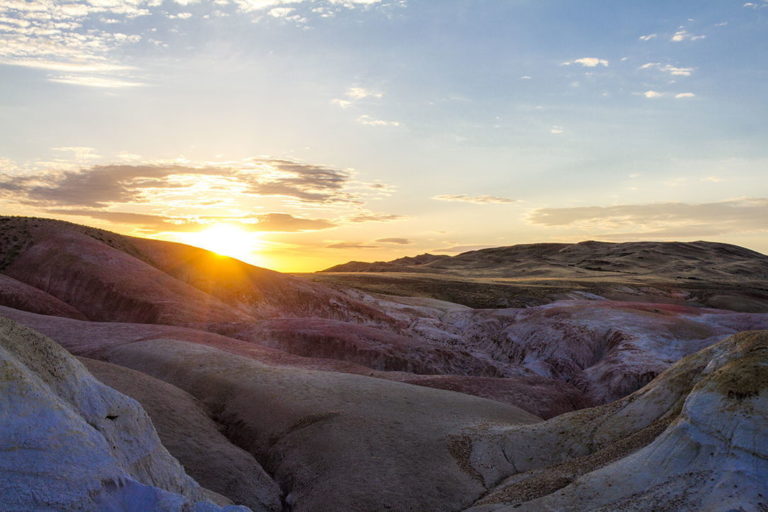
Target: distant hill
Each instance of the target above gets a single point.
(689, 260)
(694, 273)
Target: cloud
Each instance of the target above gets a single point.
(587, 62)
(648, 37)
(306, 182)
(94, 81)
(683, 95)
(462, 248)
(481, 199)
(375, 217)
(281, 12)
(663, 219)
(371, 121)
(78, 152)
(399, 241)
(341, 103)
(667, 68)
(103, 185)
(78, 36)
(268, 222)
(351, 245)
(288, 223)
(556, 130)
(356, 94)
(684, 35)
(359, 93)
(67, 38)
(98, 185)
(650, 94)
(147, 222)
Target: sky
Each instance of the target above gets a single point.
(301, 134)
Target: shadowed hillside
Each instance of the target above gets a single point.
(109, 277)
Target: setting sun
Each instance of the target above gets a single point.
(227, 240)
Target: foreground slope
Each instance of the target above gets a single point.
(189, 434)
(333, 441)
(71, 443)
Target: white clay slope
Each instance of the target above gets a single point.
(71, 443)
(694, 439)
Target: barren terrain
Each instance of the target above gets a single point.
(604, 377)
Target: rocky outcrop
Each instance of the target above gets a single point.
(71, 443)
(607, 349)
(694, 439)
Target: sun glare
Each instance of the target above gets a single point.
(227, 240)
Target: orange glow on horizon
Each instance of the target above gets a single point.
(227, 240)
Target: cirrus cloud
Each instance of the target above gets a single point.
(151, 223)
(662, 219)
(587, 62)
(479, 199)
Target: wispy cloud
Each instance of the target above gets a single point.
(667, 219)
(359, 93)
(652, 95)
(288, 223)
(150, 223)
(667, 68)
(351, 245)
(354, 95)
(374, 217)
(94, 81)
(79, 153)
(90, 37)
(683, 35)
(372, 121)
(68, 38)
(648, 37)
(397, 241)
(480, 199)
(587, 62)
(457, 249)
